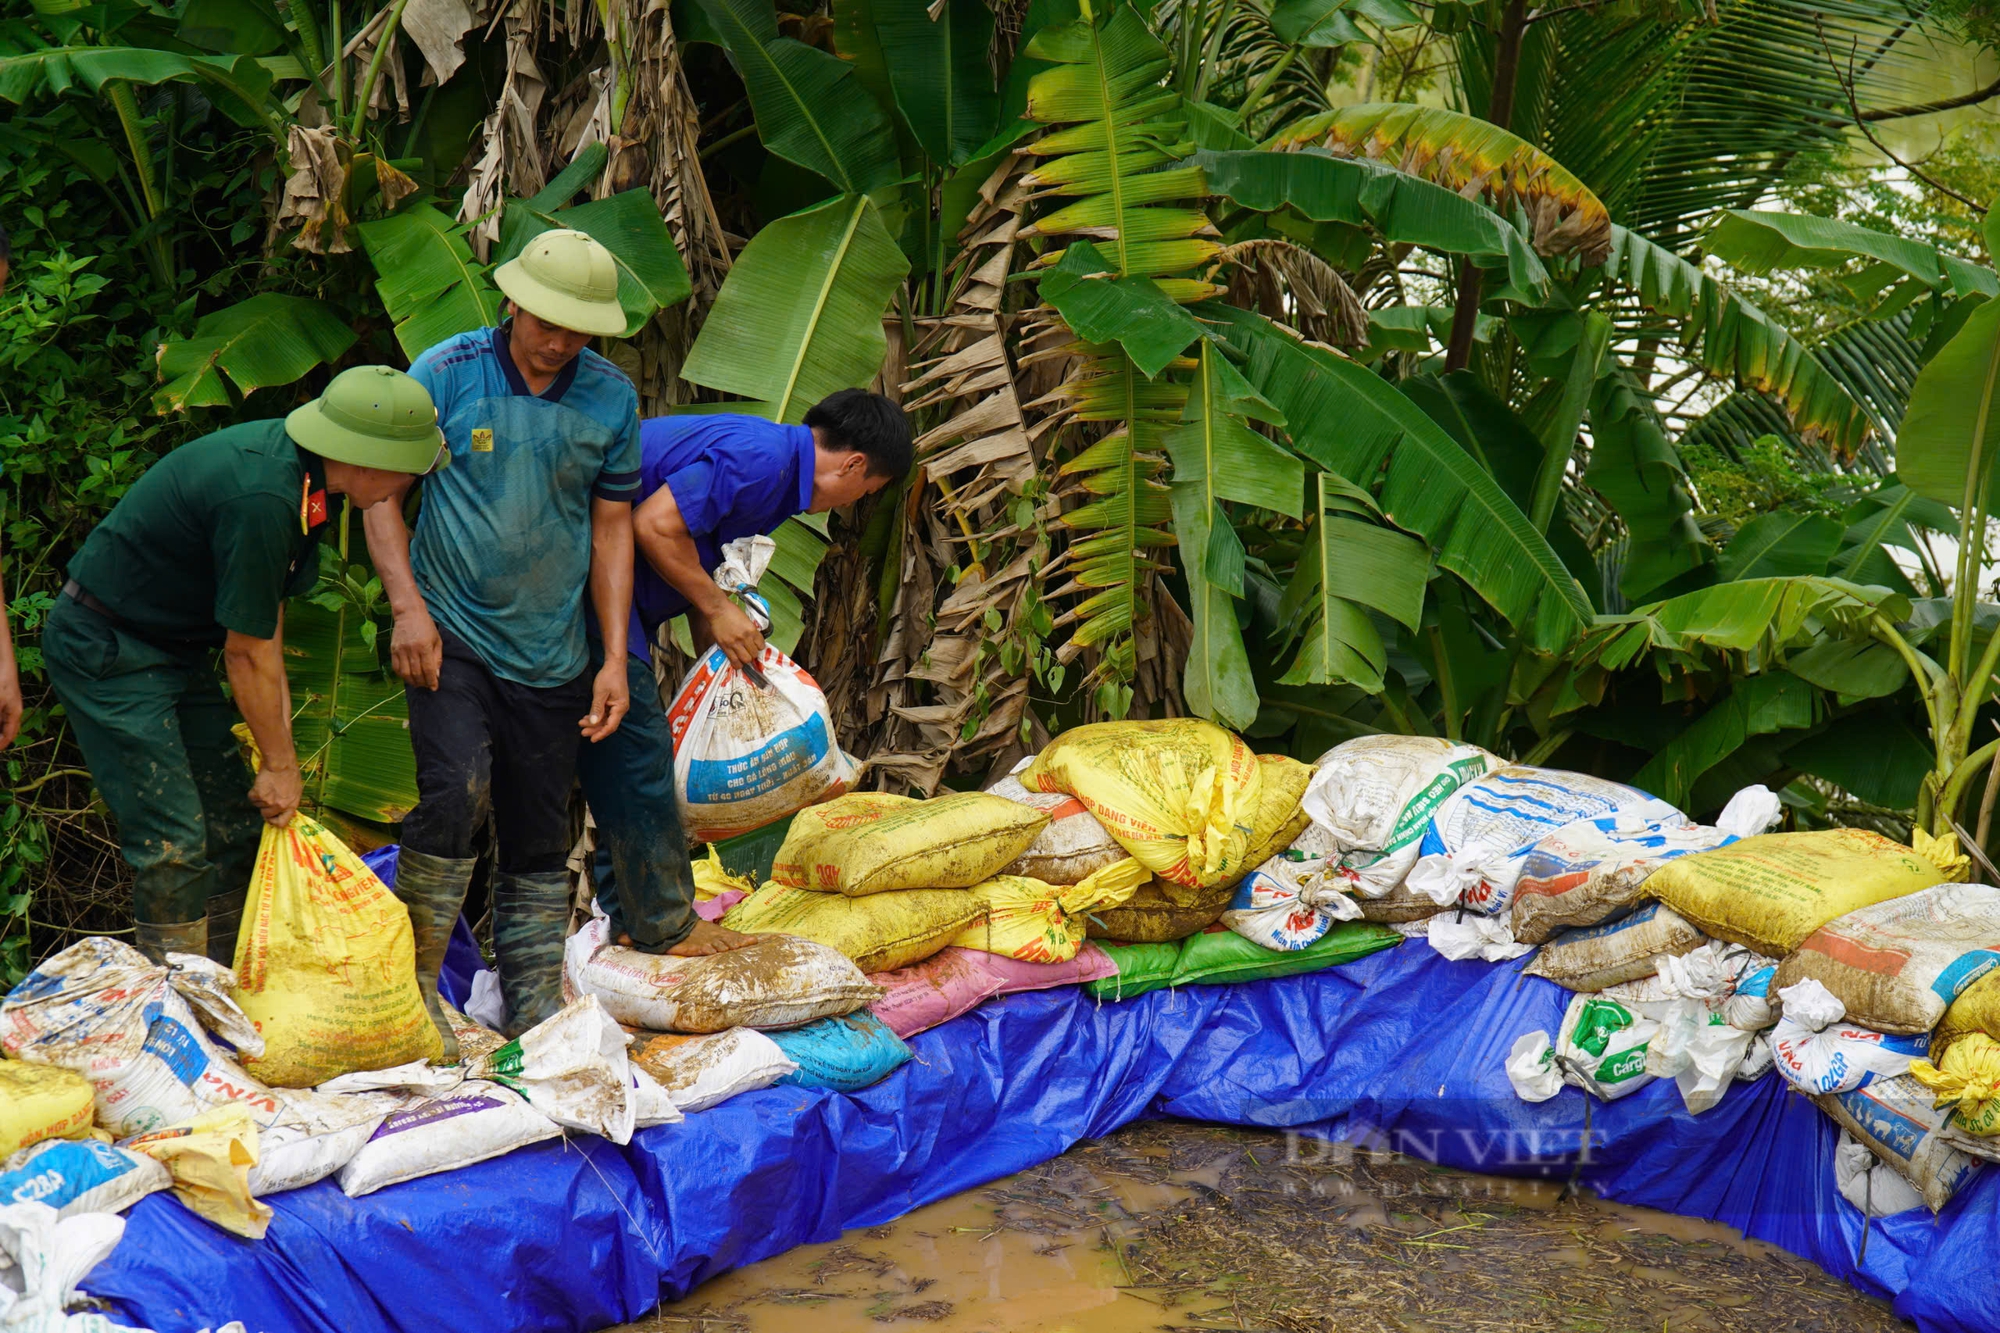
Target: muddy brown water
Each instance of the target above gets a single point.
(1171, 1227)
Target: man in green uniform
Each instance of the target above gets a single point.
(200, 555)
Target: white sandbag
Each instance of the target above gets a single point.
(698, 1072)
(1757, 1061)
(1295, 897)
(1481, 836)
(1593, 958)
(471, 1123)
(748, 754)
(1700, 1050)
(1071, 848)
(1896, 1119)
(1462, 935)
(42, 1259)
(1869, 1183)
(1602, 1045)
(780, 981)
(650, 1103)
(1594, 869)
(572, 1068)
(290, 1157)
(103, 1009)
(1818, 1054)
(1375, 792)
(76, 1176)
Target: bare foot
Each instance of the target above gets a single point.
(706, 938)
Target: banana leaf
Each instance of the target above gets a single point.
(266, 340)
(800, 314)
(427, 277)
(1951, 432)
(651, 276)
(1762, 242)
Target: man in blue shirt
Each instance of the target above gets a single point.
(489, 608)
(705, 481)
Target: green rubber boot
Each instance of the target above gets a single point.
(433, 889)
(156, 941)
(530, 914)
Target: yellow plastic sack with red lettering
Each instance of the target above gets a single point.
(326, 965)
(1038, 922)
(40, 1102)
(1181, 795)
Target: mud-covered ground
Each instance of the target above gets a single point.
(1182, 1228)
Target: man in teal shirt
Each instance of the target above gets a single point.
(489, 608)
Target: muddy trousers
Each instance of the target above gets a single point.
(156, 731)
(643, 879)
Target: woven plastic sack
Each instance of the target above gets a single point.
(955, 981)
(1772, 891)
(1136, 969)
(1898, 1119)
(879, 932)
(776, 982)
(1377, 793)
(1159, 911)
(474, 1121)
(76, 1176)
(1182, 795)
(209, 1159)
(43, 1258)
(1968, 1082)
(572, 1068)
(870, 842)
(1593, 958)
(1474, 850)
(1817, 1052)
(748, 752)
(842, 1054)
(1220, 957)
(40, 1102)
(1295, 896)
(1897, 966)
(700, 1072)
(1594, 870)
(325, 963)
(1977, 1009)
(1602, 1045)
(1072, 846)
(1280, 818)
(1045, 923)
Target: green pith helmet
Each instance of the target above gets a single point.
(566, 278)
(372, 416)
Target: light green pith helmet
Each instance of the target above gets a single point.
(372, 416)
(566, 278)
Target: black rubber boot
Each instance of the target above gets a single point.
(433, 889)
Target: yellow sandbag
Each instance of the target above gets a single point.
(1280, 818)
(1968, 1082)
(40, 1102)
(1771, 891)
(1977, 1009)
(209, 1159)
(1181, 795)
(1045, 923)
(871, 842)
(1942, 851)
(325, 965)
(879, 932)
(712, 879)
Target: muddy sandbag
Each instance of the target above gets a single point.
(1898, 1119)
(572, 1067)
(1399, 906)
(1593, 870)
(1295, 896)
(1594, 957)
(1073, 845)
(1818, 1051)
(41, 1102)
(955, 981)
(879, 932)
(842, 1054)
(1376, 793)
(1473, 852)
(1770, 892)
(1896, 966)
(700, 1072)
(870, 842)
(776, 982)
(1182, 795)
(1159, 911)
(1977, 1009)
(1045, 923)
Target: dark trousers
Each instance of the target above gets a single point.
(644, 881)
(156, 731)
(493, 749)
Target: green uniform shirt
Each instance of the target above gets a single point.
(212, 538)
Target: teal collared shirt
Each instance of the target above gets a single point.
(502, 547)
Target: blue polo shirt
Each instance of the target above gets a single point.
(502, 546)
(731, 476)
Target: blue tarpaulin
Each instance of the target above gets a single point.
(1403, 1048)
